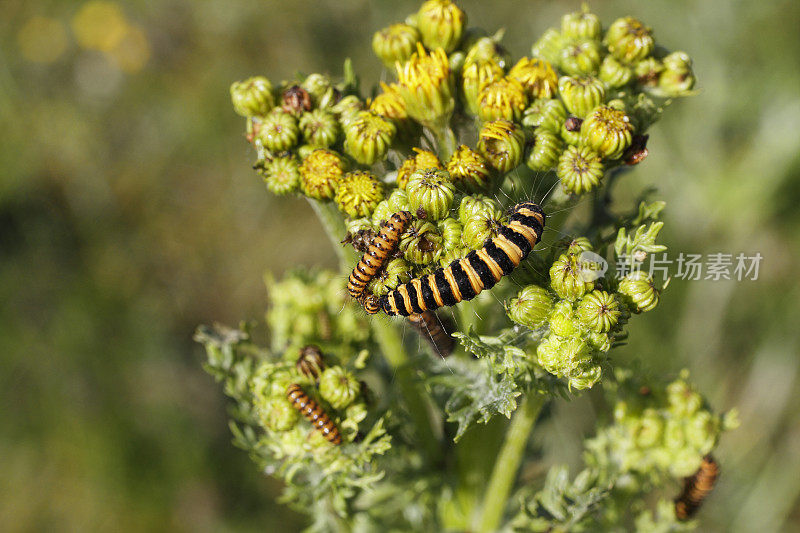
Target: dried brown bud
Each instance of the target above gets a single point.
(296, 100)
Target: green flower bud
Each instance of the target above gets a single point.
(358, 194)
(320, 128)
(571, 131)
(432, 191)
(347, 109)
(421, 243)
(469, 170)
(600, 342)
(475, 75)
(397, 271)
(504, 98)
(546, 149)
(282, 175)
(317, 85)
(395, 43)
(305, 150)
(548, 46)
(683, 400)
(450, 230)
(639, 291)
(566, 279)
(585, 377)
(471, 206)
(456, 62)
(581, 25)
(702, 431)
(450, 255)
(677, 79)
(579, 169)
(580, 57)
(599, 311)
(484, 48)
(562, 320)
(563, 357)
(278, 414)
(502, 143)
(546, 115)
(581, 95)
(441, 24)
(368, 137)
(425, 84)
(537, 77)
(423, 160)
(530, 307)
(629, 40)
(320, 173)
(650, 429)
(278, 131)
(647, 71)
(614, 74)
(252, 97)
(338, 387)
(390, 105)
(607, 131)
(397, 201)
(576, 246)
(481, 226)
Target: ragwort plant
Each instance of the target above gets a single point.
(371, 428)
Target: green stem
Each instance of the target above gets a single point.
(508, 463)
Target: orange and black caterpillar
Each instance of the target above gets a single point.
(310, 361)
(379, 249)
(431, 328)
(314, 413)
(696, 488)
(465, 278)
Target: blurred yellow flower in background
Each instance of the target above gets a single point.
(42, 39)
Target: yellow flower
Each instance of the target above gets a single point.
(422, 161)
(441, 24)
(474, 77)
(503, 98)
(537, 76)
(426, 87)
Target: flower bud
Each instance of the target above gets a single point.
(504, 98)
(537, 77)
(629, 40)
(481, 49)
(252, 97)
(600, 342)
(530, 307)
(677, 78)
(320, 174)
(282, 175)
(390, 105)
(319, 127)
(571, 131)
(579, 169)
(347, 109)
(639, 291)
(481, 226)
(581, 25)
(544, 153)
(317, 85)
(471, 206)
(296, 100)
(421, 243)
(581, 95)
(395, 43)
(683, 399)
(565, 357)
(580, 57)
(338, 387)
(502, 143)
(469, 170)
(397, 201)
(650, 429)
(397, 271)
(562, 320)
(277, 414)
(614, 74)
(278, 131)
(548, 46)
(441, 24)
(423, 160)
(647, 71)
(546, 115)
(566, 278)
(426, 87)
(598, 311)
(585, 377)
(358, 194)
(475, 75)
(576, 246)
(450, 230)
(368, 137)
(432, 191)
(607, 131)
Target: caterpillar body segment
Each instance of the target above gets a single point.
(313, 413)
(480, 270)
(696, 488)
(310, 362)
(377, 253)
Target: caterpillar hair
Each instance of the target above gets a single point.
(480, 270)
(430, 327)
(313, 413)
(377, 253)
(696, 488)
(310, 362)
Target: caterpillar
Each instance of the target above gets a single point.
(310, 361)
(431, 328)
(377, 253)
(696, 488)
(480, 270)
(313, 413)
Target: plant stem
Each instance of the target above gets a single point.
(508, 463)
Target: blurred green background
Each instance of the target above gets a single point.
(129, 214)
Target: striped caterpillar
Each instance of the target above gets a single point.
(377, 253)
(313, 413)
(696, 488)
(431, 328)
(310, 362)
(464, 278)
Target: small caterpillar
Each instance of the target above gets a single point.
(431, 328)
(480, 270)
(696, 488)
(313, 413)
(377, 253)
(310, 361)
